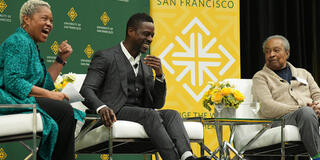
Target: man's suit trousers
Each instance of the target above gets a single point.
(164, 127)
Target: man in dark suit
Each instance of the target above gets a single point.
(121, 85)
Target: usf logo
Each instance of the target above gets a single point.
(3, 154)
(196, 57)
(3, 5)
(104, 18)
(104, 157)
(72, 14)
(55, 47)
(89, 51)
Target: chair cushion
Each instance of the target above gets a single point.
(194, 130)
(244, 133)
(269, 137)
(9, 124)
(127, 129)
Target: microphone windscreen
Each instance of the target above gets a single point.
(135, 65)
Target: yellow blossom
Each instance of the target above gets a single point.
(57, 86)
(70, 77)
(63, 80)
(64, 84)
(238, 95)
(222, 93)
(226, 91)
(208, 93)
(214, 91)
(216, 98)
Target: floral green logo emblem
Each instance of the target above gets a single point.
(3, 5)
(89, 51)
(72, 14)
(55, 47)
(104, 18)
(104, 157)
(3, 154)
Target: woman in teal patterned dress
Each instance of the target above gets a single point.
(24, 79)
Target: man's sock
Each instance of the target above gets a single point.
(316, 157)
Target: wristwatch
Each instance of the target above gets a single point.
(60, 60)
(160, 78)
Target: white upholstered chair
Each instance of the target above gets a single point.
(125, 136)
(22, 126)
(269, 142)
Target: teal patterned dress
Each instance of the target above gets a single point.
(20, 69)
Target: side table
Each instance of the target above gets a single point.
(225, 146)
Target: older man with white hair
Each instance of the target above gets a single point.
(288, 92)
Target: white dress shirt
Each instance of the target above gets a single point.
(133, 61)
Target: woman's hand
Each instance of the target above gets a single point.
(57, 96)
(65, 50)
(41, 92)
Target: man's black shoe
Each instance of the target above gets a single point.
(200, 158)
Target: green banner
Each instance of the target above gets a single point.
(88, 26)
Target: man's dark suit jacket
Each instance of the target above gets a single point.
(106, 82)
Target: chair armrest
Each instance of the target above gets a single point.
(18, 106)
(34, 123)
(195, 119)
(92, 120)
(92, 117)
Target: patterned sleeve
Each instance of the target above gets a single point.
(17, 55)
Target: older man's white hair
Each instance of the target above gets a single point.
(30, 7)
(285, 43)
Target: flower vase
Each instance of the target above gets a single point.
(225, 112)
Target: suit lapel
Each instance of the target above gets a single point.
(122, 70)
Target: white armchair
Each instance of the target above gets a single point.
(18, 127)
(269, 142)
(125, 136)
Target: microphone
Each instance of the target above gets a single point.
(135, 66)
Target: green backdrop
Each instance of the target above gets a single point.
(89, 26)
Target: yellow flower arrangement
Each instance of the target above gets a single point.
(222, 93)
(63, 80)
